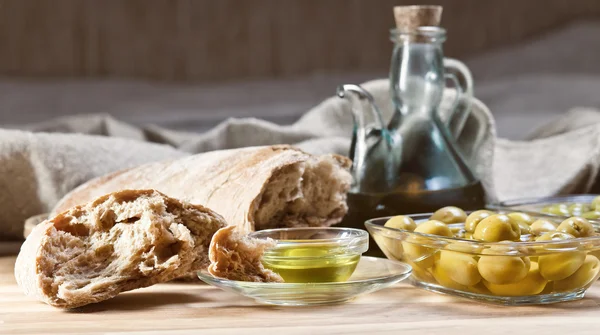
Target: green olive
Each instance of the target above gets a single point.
(496, 228)
(394, 247)
(449, 214)
(474, 218)
(557, 209)
(390, 246)
(479, 288)
(527, 238)
(497, 269)
(444, 279)
(549, 289)
(586, 274)
(521, 218)
(434, 227)
(560, 265)
(465, 248)
(596, 203)
(458, 232)
(592, 215)
(578, 208)
(554, 236)
(576, 226)
(541, 226)
(401, 222)
(461, 268)
(415, 252)
(525, 229)
(532, 284)
(420, 273)
(595, 252)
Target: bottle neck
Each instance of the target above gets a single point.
(417, 76)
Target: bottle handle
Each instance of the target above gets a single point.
(460, 75)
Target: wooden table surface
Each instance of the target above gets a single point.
(198, 308)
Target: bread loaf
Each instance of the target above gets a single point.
(236, 256)
(252, 188)
(118, 242)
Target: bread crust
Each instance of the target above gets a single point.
(230, 182)
(117, 242)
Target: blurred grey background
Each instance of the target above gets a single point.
(190, 64)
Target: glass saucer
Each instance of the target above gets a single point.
(371, 274)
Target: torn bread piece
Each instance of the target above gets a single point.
(237, 256)
(118, 242)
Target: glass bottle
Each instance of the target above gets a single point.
(411, 164)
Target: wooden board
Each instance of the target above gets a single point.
(197, 308)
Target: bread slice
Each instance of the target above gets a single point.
(236, 256)
(118, 242)
(253, 188)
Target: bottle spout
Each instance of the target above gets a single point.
(357, 89)
(371, 145)
(366, 113)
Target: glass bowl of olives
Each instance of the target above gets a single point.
(583, 205)
(511, 258)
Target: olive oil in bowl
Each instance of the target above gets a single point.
(311, 264)
(314, 255)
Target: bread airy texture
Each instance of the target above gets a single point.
(253, 188)
(118, 242)
(236, 256)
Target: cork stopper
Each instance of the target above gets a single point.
(409, 18)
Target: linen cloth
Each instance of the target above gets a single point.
(40, 165)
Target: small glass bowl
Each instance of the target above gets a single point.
(558, 270)
(314, 255)
(371, 274)
(536, 205)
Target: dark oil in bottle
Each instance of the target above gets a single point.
(362, 207)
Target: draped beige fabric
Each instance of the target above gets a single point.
(37, 169)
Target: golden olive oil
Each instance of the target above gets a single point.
(311, 264)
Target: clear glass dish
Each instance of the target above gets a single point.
(348, 240)
(536, 205)
(314, 254)
(454, 266)
(371, 274)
